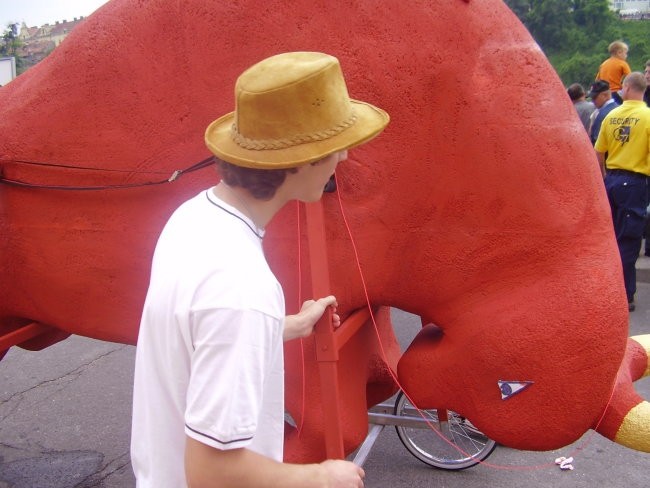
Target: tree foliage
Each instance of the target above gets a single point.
(556, 23)
(575, 34)
(550, 22)
(11, 43)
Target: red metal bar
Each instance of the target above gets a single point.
(350, 327)
(327, 352)
(320, 279)
(22, 334)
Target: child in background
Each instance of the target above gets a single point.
(614, 69)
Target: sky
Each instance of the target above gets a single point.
(38, 12)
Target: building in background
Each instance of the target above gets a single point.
(38, 42)
(631, 8)
(7, 69)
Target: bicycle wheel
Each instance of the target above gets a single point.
(464, 447)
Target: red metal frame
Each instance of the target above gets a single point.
(328, 341)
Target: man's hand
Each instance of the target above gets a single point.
(343, 473)
(302, 324)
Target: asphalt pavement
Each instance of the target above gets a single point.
(65, 421)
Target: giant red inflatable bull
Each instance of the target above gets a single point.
(481, 207)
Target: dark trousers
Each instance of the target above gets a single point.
(628, 198)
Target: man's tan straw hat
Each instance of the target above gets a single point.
(292, 109)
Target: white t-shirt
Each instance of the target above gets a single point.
(209, 361)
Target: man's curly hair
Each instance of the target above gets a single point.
(261, 183)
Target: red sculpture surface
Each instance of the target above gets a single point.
(480, 208)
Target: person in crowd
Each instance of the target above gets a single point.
(208, 403)
(646, 95)
(614, 69)
(646, 99)
(601, 96)
(583, 107)
(623, 150)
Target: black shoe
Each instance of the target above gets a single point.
(630, 306)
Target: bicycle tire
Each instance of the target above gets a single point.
(465, 445)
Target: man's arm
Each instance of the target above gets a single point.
(601, 161)
(207, 467)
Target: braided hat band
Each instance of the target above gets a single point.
(271, 144)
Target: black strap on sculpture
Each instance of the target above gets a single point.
(24, 184)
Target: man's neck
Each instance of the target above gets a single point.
(259, 211)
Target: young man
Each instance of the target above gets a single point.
(622, 149)
(209, 380)
(614, 69)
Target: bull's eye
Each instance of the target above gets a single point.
(510, 388)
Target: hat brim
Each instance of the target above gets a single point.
(370, 122)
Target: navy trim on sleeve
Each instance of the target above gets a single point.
(218, 440)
